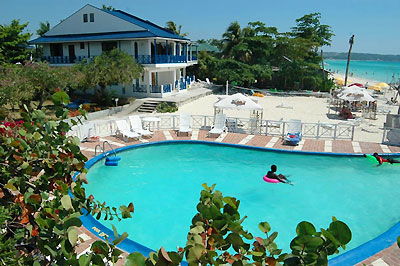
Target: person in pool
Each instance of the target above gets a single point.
(271, 174)
(383, 160)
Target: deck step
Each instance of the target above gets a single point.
(148, 107)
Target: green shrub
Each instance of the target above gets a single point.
(166, 107)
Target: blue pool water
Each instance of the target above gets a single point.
(164, 183)
(374, 70)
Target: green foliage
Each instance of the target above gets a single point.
(217, 237)
(43, 28)
(167, 107)
(14, 43)
(40, 201)
(248, 54)
(15, 86)
(20, 84)
(110, 68)
(171, 26)
(109, 8)
(309, 27)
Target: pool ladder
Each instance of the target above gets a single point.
(110, 161)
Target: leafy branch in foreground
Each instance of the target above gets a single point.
(216, 237)
(40, 201)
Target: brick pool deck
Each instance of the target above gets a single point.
(389, 256)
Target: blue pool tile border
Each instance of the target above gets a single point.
(349, 258)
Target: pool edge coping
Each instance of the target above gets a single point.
(351, 257)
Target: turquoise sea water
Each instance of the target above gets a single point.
(373, 70)
(164, 183)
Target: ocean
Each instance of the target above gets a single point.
(373, 70)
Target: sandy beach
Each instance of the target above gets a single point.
(307, 109)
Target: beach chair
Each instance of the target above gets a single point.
(294, 132)
(123, 129)
(136, 126)
(219, 125)
(185, 124)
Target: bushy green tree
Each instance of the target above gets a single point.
(43, 28)
(109, 68)
(309, 27)
(32, 81)
(15, 86)
(14, 43)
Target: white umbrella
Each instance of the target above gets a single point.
(239, 102)
(357, 97)
(354, 90)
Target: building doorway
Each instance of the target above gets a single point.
(71, 51)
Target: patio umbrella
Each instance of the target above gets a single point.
(382, 85)
(357, 97)
(376, 88)
(357, 84)
(354, 90)
(339, 81)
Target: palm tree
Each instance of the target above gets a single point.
(231, 38)
(43, 28)
(170, 25)
(351, 41)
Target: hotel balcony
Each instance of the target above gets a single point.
(140, 59)
(164, 59)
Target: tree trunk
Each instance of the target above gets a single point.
(351, 41)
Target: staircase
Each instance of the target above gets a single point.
(148, 107)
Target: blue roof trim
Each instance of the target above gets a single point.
(349, 258)
(153, 28)
(93, 37)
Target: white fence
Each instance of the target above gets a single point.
(236, 125)
(391, 136)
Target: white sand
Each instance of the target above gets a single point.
(307, 109)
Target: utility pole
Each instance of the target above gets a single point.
(351, 41)
(323, 68)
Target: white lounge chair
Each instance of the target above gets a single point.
(136, 126)
(123, 129)
(185, 124)
(219, 125)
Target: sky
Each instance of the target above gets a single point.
(375, 23)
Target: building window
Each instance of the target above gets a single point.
(85, 18)
(123, 90)
(56, 49)
(82, 45)
(91, 17)
(108, 46)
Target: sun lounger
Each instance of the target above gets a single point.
(294, 132)
(136, 126)
(185, 124)
(219, 125)
(123, 129)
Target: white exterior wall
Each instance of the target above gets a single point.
(103, 22)
(127, 46)
(143, 47)
(164, 78)
(79, 51)
(46, 49)
(95, 48)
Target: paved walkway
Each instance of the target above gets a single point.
(389, 256)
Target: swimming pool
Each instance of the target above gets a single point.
(164, 183)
